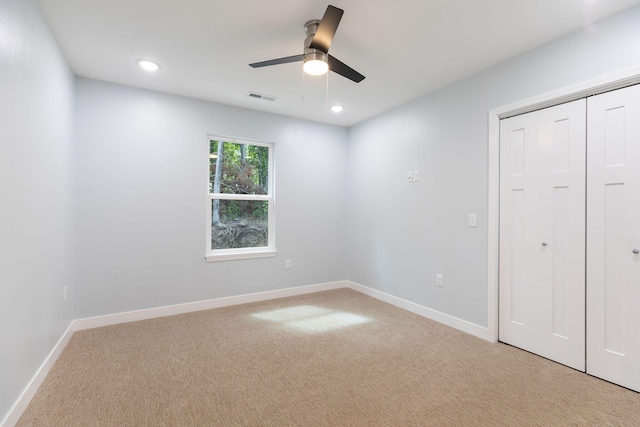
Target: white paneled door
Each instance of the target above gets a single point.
(542, 232)
(613, 237)
(519, 231)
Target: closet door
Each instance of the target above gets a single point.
(519, 231)
(542, 223)
(561, 268)
(613, 237)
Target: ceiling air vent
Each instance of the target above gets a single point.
(262, 96)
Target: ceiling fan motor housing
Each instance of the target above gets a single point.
(310, 53)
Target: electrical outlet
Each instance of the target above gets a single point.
(65, 293)
(410, 176)
(287, 264)
(439, 280)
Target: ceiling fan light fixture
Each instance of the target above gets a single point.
(315, 63)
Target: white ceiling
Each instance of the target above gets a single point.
(405, 48)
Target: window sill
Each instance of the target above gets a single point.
(242, 254)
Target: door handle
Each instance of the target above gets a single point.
(544, 243)
(635, 252)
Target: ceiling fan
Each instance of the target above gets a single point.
(316, 48)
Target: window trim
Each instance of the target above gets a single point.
(212, 255)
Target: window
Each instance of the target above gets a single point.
(240, 209)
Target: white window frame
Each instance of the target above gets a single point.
(243, 253)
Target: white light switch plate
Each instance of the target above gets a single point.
(473, 220)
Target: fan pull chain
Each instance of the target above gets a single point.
(302, 84)
(326, 102)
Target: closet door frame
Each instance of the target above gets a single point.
(596, 86)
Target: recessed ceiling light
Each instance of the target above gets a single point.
(337, 108)
(147, 65)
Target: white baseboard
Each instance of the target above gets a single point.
(25, 398)
(445, 319)
(170, 310)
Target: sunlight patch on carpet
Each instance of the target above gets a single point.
(312, 319)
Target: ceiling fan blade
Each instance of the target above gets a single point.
(294, 58)
(327, 29)
(344, 70)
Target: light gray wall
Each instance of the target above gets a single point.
(142, 179)
(401, 235)
(36, 196)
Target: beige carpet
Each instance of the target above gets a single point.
(335, 358)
